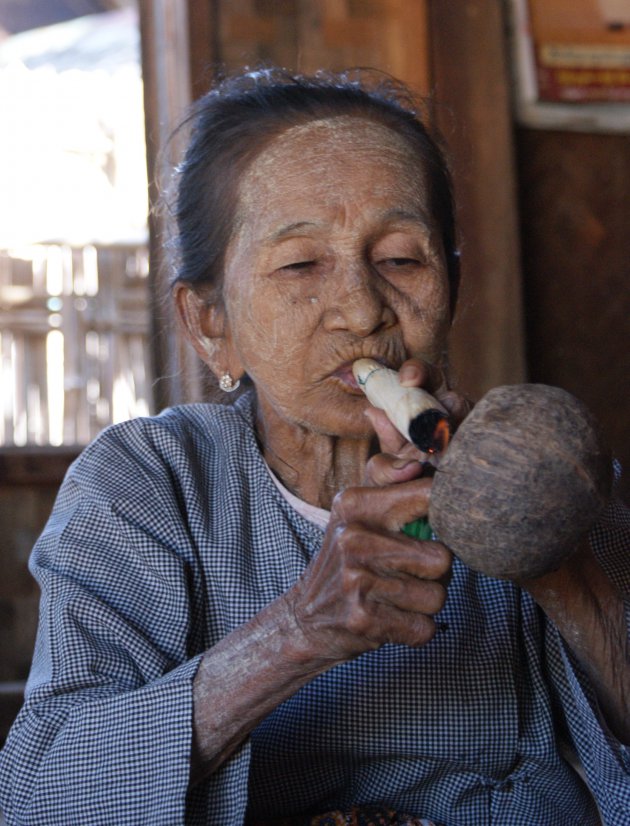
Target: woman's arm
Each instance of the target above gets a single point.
(579, 598)
(241, 680)
(589, 613)
(368, 585)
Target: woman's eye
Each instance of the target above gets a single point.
(298, 265)
(399, 263)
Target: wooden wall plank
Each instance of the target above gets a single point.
(35, 465)
(307, 35)
(575, 211)
(203, 45)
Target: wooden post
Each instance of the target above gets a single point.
(471, 82)
(167, 92)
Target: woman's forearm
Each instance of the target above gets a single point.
(368, 585)
(589, 612)
(242, 679)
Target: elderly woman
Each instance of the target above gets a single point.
(233, 628)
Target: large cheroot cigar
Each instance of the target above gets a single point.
(419, 417)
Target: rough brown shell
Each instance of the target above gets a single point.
(523, 480)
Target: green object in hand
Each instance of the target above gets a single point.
(420, 529)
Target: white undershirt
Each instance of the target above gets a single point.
(317, 516)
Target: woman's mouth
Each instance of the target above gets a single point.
(345, 375)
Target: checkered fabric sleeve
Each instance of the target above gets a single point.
(105, 734)
(606, 761)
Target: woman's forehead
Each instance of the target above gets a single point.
(317, 155)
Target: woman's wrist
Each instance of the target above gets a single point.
(553, 590)
(242, 679)
(589, 613)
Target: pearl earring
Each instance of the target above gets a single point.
(227, 383)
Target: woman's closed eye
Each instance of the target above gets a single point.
(400, 263)
(400, 251)
(299, 265)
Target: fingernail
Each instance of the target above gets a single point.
(399, 464)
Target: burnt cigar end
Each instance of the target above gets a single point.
(429, 431)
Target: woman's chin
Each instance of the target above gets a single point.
(339, 414)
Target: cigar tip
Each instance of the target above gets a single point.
(429, 431)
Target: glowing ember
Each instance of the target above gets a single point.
(441, 437)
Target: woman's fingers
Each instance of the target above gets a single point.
(407, 595)
(390, 440)
(403, 628)
(370, 583)
(417, 373)
(410, 558)
(384, 469)
(368, 588)
(390, 555)
(458, 406)
(383, 508)
(375, 622)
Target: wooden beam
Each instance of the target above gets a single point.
(205, 52)
(36, 464)
(389, 35)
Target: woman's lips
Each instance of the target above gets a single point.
(346, 376)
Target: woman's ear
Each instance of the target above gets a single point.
(205, 324)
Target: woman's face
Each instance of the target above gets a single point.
(335, 257)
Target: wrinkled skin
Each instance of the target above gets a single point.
(335, 256)
(344, 261)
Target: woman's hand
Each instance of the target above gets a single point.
(370, 584)
(416, 373)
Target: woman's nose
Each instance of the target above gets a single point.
(359, 306)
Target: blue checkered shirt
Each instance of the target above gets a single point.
(168, 533)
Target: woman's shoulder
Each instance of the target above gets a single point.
(206, 421)
(183, 440)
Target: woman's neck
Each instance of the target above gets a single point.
(314, 466)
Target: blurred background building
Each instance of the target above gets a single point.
(73, 227)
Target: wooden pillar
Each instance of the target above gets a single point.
(204, 42)
(471, 81)
(167, 93)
